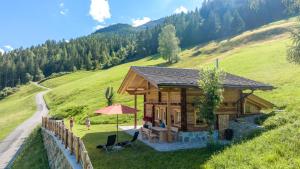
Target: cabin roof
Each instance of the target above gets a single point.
(161, 76)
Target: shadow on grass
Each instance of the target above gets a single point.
(142, 156)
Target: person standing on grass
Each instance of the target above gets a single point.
(88, 122)
(71, 123)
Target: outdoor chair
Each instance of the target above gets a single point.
(153, 137)
(129, 143)
(111, 140)
(174, 133)
(145, 133)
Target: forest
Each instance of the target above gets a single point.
(107, 47)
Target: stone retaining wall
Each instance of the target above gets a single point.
(195, 136)
(58, 156)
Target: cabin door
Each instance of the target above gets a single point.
(223, 122)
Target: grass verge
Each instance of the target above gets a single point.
(33, 155)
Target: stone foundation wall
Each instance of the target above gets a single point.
(197, 136)
(58, 156)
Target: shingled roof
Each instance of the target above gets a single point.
(161, 76)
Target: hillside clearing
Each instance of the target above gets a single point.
(17, 108)
(262, 59)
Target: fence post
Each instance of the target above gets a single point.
(56, 127)
(42, 121)
(63, 135)
(67, 138)
(45, 123)
(71, 143)
(58, 130)
(77, 149)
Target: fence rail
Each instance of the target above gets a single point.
(73, 143)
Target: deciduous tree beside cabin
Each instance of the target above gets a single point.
(169, 44)
(211, 98)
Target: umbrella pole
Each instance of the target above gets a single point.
(117, 128)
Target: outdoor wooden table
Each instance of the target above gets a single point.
(162, 133)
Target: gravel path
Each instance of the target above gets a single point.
(10, 146)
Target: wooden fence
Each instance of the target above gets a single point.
(73, 143)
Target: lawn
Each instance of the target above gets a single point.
(33, 155)
(17, 108)
(140, 156)
(263, 60)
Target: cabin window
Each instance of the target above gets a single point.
(176, 117)
(198, 120)
(157, 115)
(248, 108)
(160, 114)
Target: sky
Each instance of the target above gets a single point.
(31, 22)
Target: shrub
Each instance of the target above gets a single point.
(8, 91)
(54, 75)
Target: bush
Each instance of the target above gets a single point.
(280, 119)
(54, 75)
(8, 91)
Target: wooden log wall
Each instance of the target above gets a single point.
(73, 143)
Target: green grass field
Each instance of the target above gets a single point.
(258, 54)
(17, 108)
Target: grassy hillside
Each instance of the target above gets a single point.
(85, 92)
(17, 108)
(81, 93)
(259, 54)
(33, 154)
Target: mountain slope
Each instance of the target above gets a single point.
(258, 54)
(84, 85)
(121, 43)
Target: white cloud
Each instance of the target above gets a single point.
(1, 51)
(8, 47)
(181, 9)
(99, 10)
(140, 21)
(62, 9)
(98, 27)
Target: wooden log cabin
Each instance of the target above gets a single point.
(169, 95)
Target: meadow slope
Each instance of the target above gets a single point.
(259, 54)
(17, 108)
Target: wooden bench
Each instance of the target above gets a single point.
(148, 134)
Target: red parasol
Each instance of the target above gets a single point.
(116, 109)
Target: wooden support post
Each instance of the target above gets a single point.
(56, 127)
(145, 100)
(77, 150)
(67, 138)
(135, 114)
(169, 116)
(183, 110)
(45, 123)
(71, 143)
(58, 130)
(62, 134)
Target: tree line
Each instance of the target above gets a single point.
(216, 19)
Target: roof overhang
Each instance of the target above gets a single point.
(134, 82)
